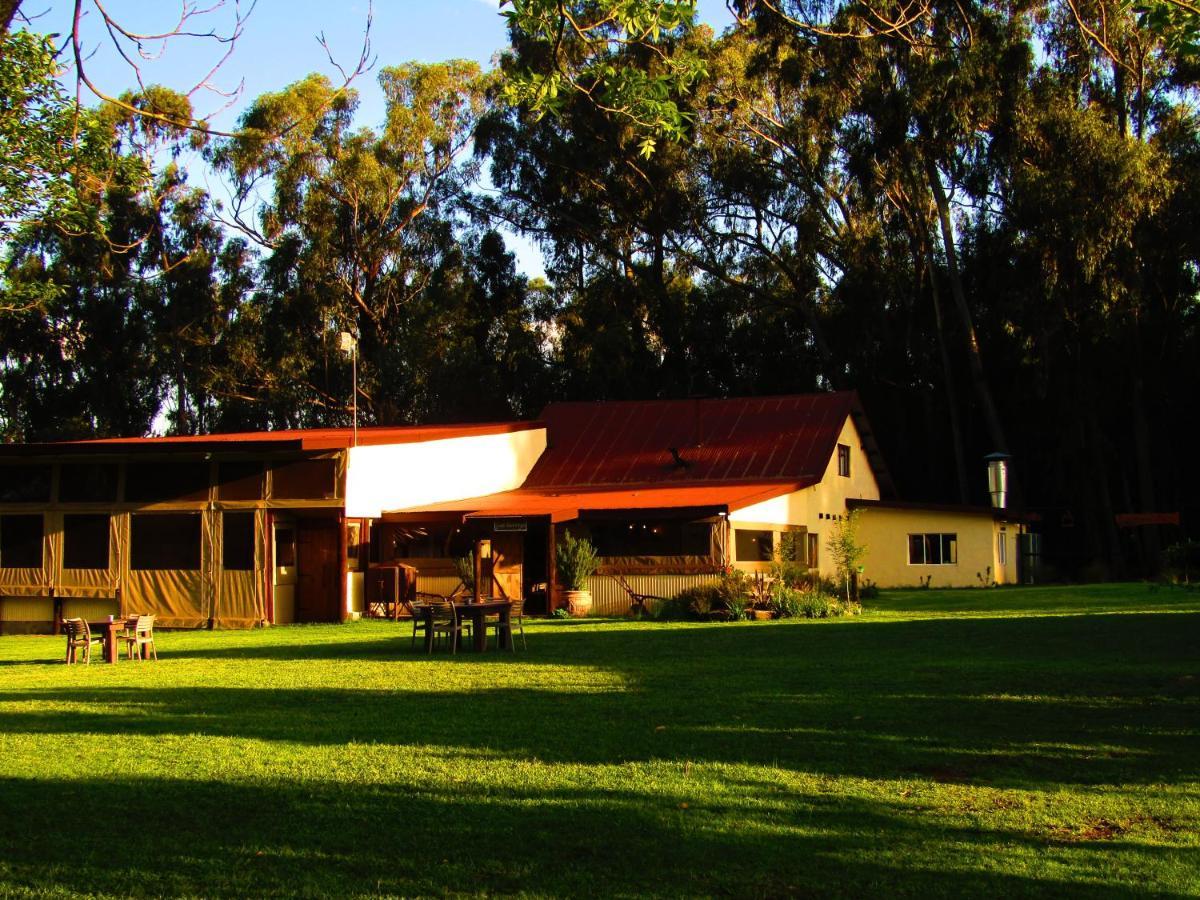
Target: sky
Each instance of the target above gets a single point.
(279, 46)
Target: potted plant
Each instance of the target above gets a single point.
(759, 596)
(576, 562)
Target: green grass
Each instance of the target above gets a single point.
(1005, 742)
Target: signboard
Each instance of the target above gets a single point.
(1132, 520)
(510, 525)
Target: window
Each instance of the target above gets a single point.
(237, 541)
(651, 537)
(814, 550)
(21, 542)
(85, 541)
(1002, 549)
(754, 546)
(24, 484)
(87, 483)
(285, 546)
(933, 549)
(166, 482)
(241, 480)
(353, 542)
(792, 545)
(164, 541)
(843, 460)
(304, 479)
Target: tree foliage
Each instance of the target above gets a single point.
(985, 217)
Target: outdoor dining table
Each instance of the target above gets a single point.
(110, 628)
(475, 612)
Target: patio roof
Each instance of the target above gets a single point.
(563, 506)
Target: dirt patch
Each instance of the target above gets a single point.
(1095, 830)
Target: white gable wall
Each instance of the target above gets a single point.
(828, 498)
(399, 476)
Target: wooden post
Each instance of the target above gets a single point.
(552, 566)
(343, 592)
(482, 548)
(269, 567)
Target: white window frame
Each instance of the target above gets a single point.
(942, 537)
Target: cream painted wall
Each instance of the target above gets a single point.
(355, 592)
(285, 594)
(1006, 572)
(807, 507)
(400, 476)
(285, 604)
(885, 533)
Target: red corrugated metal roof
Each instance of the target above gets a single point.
(745, 439)
(297, 439)
(566, 505)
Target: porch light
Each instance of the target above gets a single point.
(997, 468)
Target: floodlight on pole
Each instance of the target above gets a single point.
(349, 345)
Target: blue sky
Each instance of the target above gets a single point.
(279, 46)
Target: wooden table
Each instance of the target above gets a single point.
(109, 628)
(475, 612)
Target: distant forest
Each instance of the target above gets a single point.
(987, 225)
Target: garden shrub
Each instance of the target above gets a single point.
(1181, 562)
(791, 573)
(816, 605)
(730, 596)
(700, 601)
(674, 609)
(786, 601)
(733, 588)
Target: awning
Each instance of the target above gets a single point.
(564, 506)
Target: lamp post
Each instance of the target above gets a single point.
(997, 468)
(349, 345)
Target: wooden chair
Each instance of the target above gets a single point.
(516, 624)
(446, 622)
(79, 635)
(638, 600)
(142, 636)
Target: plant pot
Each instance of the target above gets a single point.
(760, 615)
(578, 603)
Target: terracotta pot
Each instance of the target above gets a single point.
(760, 614)
(579, 603)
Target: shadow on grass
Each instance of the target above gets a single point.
(125, 837)
(1034, 702)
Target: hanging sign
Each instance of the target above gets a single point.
(510, 525)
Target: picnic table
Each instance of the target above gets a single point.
(110, 628)
(475, 612)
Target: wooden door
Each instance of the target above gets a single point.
(507, 558)
(318, 598)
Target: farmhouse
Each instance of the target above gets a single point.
(672, 491)
(236, 530)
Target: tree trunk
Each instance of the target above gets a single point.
(960, 464)
(1145, 473)
(974, 355)
(8, 10)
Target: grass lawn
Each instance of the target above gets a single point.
(1039, 741)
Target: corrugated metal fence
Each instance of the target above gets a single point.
(609, 599)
